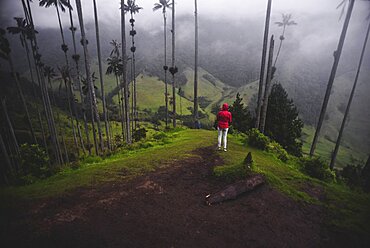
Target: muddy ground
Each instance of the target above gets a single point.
(167, 208)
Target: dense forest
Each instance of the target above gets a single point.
(105, 117)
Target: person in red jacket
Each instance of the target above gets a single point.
(224, 120)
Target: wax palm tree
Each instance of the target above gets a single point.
(76, 58)
(285, 22)
(115, 67)
(164, 5)
(42, 85)
(25, 33)
(173, 69)
(124, 75)
(333, 72)
(196, 121)
(5, 54)
(133, 8)
(101, 75)
(62, 4)
(263, 64)
(92, 96)
(340, 134)
(64, 76)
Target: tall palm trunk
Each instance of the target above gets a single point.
(64, 46)
(23, 99)
(101, 76)
(6, 157)
(120, 109)
(34, 92)
(337, 144)
(337, 54)
(263, 64)
(133, 72)
(43, 88)
(10, 126)
(76, 59)
(68, 93)
(91, 89)
(196, 121)
(173, 65)
(268, 85)
(124, 76)
(280, 44)
(165, 67)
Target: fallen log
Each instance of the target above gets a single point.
(235, 189)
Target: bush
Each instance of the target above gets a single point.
(352, 175)
(316, 168)
(159, 136)
(139, 134)
(34, 163)
(277, 149)
(257, 139)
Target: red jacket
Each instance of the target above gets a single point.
(224, 117)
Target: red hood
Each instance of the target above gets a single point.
(225, 106)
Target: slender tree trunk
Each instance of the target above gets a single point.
(68, 92)
(268, 85)
(165, 64)
(337, 54)
(337, 144)
(76, 59)
(93, 107)
(101, 75)
(19, 88)
(281, 43)
(196, 121)
(134, 95)
(263, 64)
(6, 157)
(173, 65)
(124, 76)
(43, 87)
(34, 93)
(10, 126)
(120, 109)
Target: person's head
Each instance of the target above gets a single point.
(225, 106)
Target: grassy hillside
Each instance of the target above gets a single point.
(347, 211)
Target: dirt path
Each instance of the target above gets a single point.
(166, 209)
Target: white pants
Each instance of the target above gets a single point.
(222, 136)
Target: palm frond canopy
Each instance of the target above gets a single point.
(131, 7)
(286, 21)
(63, 4)
(163, 4)
(49, 72)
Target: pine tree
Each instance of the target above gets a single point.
(242, 119)
(282, 122)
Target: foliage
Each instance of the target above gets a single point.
(257, 139)
(277, 149)
(34, 163)
(139, 134)
(352, 175)
(317, 168)
(282, 122)
(242, 119)
(232, 172)
(365, 174)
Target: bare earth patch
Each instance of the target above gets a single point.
(166, 208)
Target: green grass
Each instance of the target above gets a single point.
(347, 210)
(324, 148)
(121, 166)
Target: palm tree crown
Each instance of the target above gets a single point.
(286, 21)
(132, 7)
(63, 4)
(163, 4)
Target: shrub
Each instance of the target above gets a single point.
(351, 175)
(139, 134)
(159, 136)
(317, 168)
(278, 150)
(257, 139)
(34, 163)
